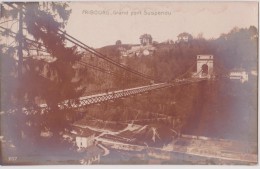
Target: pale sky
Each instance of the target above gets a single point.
(209, 18)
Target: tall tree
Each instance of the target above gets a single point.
(146, 39)
(118, 42)
(51, 79)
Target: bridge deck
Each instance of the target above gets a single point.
(98, 98)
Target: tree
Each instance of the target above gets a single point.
(155, 43)
(184, 37)
(146, 39)
(43, 80)
(200, 36)
(238, 48)
(118, 43)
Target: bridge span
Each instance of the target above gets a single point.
(112, 95)
(98, 98)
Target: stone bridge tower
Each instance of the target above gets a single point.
(204, 66)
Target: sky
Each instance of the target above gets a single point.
(105, 26)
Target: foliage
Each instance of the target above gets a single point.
(55, 81)
(118, 42)
(42, 80)
(146, 39)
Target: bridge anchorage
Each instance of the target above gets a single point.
(204, 66)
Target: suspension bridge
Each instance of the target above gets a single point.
(145, 82)
(111, 67)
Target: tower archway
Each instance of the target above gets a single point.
(204, 66)
(205, 69)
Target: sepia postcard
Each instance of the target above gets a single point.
(91, 83)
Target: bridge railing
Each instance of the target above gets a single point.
(112, 95)
(94, 99)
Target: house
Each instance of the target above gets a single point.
(123, 51)
(85, 141)
(134, 51)
(84, 137)
(239, 74)
(141, 50)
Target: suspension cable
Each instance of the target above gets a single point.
(96, 53)
(87, 65)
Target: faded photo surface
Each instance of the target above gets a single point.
(129, 83)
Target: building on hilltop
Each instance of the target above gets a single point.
(141, 51)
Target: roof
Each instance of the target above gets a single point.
(84, 132)
(183, 34)
(141, 48)
(205, 56)
(238, 70)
